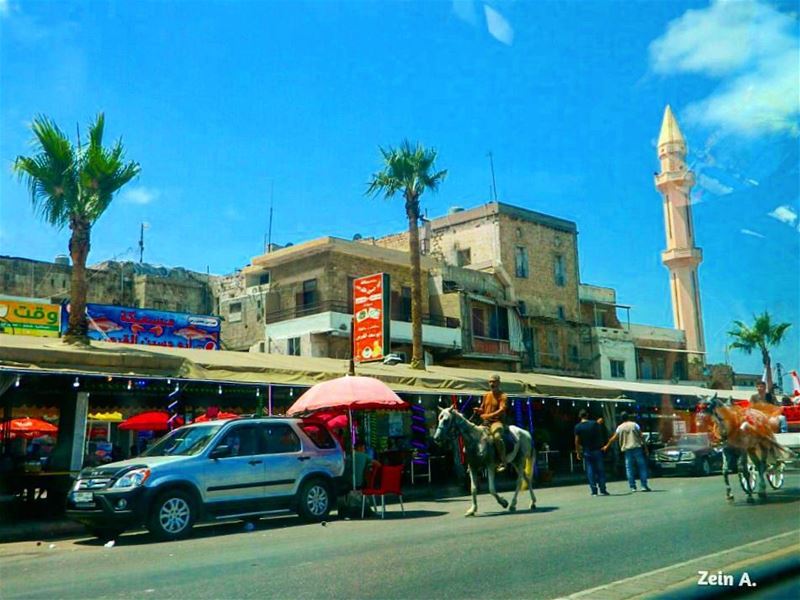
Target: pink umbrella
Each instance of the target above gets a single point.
(150, 421)
(348, 393)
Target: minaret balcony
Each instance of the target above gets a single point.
(670, 178)
(682, 257)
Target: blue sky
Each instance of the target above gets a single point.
(227, 103)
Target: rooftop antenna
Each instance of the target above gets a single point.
(494, 185)
(269, 229)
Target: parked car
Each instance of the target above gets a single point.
(691, 453)
(238, 468)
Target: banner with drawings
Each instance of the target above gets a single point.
(23, 317)
(150, 327)
(371, 317)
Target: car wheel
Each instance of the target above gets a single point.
(172, 516)
(106, 533)
(314, 500)
(704, 470)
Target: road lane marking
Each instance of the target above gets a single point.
(597, 591)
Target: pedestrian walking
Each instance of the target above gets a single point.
(589, 448)
(631, 442)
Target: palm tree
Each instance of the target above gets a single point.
(410, 171)
(762, 335)
(74, 186)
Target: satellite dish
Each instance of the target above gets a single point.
(357, 237)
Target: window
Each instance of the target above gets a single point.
(523, 308)
(293, 346)
(560, 270)
(280, 439)
(561, 312)
(263, 279)
(241, 441)
(405, 303)
(553, 347)
(679, 370)
(478, 322)
(309, 292)
(573, 353)
(599, 317)
(521, 261)
(319, 435)
(463, 257)
(617, 368)
(234, 312)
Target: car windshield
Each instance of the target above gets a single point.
(693, 440)
(185, 441)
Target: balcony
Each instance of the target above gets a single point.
(489, 346)
(339, 306)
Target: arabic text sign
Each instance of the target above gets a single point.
(152, 327)
(370, 318)
(30, 318)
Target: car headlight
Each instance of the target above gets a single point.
(132, 479)
(688, 455)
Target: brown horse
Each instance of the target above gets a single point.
(747, 434)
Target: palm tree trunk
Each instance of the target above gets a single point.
(79, 245)
(417, 358)
(765, 358)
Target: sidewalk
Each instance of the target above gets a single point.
(49, 528)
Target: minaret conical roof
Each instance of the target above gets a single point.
(670, 132)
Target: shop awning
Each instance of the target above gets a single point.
(669, 389)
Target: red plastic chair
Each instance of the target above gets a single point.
(389, 478)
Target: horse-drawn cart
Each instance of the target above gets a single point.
(775, 470)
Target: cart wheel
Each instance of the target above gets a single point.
(775, 475)
(748, 477)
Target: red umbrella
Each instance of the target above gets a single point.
(29, 428)
(220, 416)
(348, 393)
(150, 421)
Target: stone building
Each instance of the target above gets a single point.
(120, 283)
(535, 257)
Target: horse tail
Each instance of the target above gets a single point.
(528, 470)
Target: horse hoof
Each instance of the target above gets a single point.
(762, 496)
(533, 507)
(729, 498)
(512, 509)
(750, 500)
(469, 513)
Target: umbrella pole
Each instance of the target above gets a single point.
(352, 445)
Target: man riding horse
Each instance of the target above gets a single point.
(493, 413)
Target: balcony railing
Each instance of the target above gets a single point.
(343, 307)
(488, 346)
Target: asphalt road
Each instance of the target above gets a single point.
(572, 542)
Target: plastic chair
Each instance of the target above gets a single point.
(389, 478)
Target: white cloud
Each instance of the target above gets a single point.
(713, 185)
(4, 8)
(784, 214)
(751, 232)
(752, 49)
(499, 28)
(140, 195)
(465, 10)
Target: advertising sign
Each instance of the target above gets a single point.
(371, 317)
(151, 327)
(20, 317)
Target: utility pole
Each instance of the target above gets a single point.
(141, 244)
(271, 202)
(494, 185)
(779, 373)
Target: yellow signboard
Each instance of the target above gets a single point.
(19, 317)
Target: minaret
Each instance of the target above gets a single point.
(681, 256)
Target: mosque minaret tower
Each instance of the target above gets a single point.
(681, 256)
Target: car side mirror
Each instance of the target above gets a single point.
(220, 451)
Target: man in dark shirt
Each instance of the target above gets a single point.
(588, 445)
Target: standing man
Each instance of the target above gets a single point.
(631, 443)
(589, 444)
(493, 412)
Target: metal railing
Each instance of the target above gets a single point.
(343, 308)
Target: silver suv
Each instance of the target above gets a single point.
(239, 468)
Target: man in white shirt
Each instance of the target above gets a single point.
(631, 442)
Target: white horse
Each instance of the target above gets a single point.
(480, 454)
